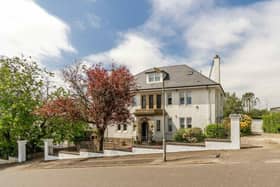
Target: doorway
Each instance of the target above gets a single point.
(144, 132)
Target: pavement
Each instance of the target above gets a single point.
(247, 167)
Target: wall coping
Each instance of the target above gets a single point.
(217, 140)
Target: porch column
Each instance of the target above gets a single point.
(235, 130)
(21, 150)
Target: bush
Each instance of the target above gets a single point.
(190, 135)
(245, 125)
(217, 131)
(271, 123)
(178, 136)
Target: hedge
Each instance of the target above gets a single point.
(271, 123)
(216, 131)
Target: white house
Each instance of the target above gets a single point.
(190, 98)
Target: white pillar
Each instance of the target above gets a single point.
(48, 148)
(235, 130)
(21, 150)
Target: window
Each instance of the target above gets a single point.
(169, 98)
(188, 98)
(189, 122)
(170, 124)
(181, 98)
(125, 127)
(154, 77)
(157, 77)
(158, 101)
(158, 125)
(134, 102)
(182, 123)
(151, 101)
(143, 101)
(119, 128)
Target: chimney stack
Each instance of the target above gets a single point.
(215, 72)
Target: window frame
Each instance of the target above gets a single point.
(170, 125)
(169, 98)
(182, 125)
(189, 122)
(154, 77)
(143, 101)
(151, 101)
(119, 127)
(181, 96)
(158, 125)
(188, 98)
(159, 102)
(124, 127)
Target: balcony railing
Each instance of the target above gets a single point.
(148, 112)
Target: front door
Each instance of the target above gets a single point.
(144, 132)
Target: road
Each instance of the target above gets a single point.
(248, 167)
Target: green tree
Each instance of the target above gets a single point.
(249, 101)
(21, 85)
(232, 104)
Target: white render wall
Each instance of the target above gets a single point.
(206, 108)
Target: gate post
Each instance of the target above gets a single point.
(235, 130)
(48, 148)
(21, 150)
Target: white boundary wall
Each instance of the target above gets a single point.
(234, 142)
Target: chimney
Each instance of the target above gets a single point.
(215, 72)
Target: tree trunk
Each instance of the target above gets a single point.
(101, 139)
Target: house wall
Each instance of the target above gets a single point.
(206, 108)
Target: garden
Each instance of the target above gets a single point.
(216, 131)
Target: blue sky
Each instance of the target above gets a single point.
(149, 33)
(113, 17)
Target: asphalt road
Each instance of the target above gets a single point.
(258, 174)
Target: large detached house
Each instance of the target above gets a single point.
(191, 100)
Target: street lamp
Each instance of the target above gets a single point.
(164, 77)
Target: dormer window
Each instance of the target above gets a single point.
(154, 77)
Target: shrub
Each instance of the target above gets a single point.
(217, 131)
(271, 123)
(190, 135)
(178, 136)
(245, 124)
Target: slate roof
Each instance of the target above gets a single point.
(179, 76)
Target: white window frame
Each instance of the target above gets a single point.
(119, 129)
(151, 77)
(180, 124)
(169, 125)
(158, 129)
(125, 129)
(187, 121)
(181, 96)
(169, 96)
(188, 95)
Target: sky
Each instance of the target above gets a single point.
(150, 33)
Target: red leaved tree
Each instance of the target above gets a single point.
(98, 96)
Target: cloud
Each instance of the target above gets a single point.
(245, 36)
(28, 29)
(136, 52)
(90, 20)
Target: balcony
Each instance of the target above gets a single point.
(148, 112)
